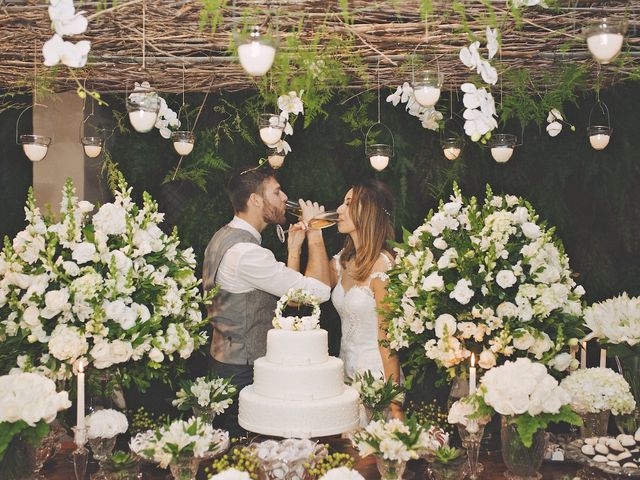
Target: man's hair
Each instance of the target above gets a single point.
(242, 185)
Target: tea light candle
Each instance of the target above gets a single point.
(451, 153)
(34, 151)
(583, 355)
(501, 154)
(603, 358)
(427, 96)
(80, 437)
(472, 375)
(605, 46)
(256, 58)
(183, 148)
(276, 161)
(379, 162)
(142, 121)
(92, 151)
(599, 141)
(270, 135)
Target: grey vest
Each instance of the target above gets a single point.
(240, 320)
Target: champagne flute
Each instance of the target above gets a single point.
(293, 208)
(320, 221)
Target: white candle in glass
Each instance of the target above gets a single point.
(275, 160)
(451, 153)
(472, 375)
(142, 121)
(605, 46)
(34, 151)
(92, 151)
(256, 58)
(183, 148)
(583, 355)
(80, 437)
(603, 358)
(270, 135)
(427, 96)
(599, 141)
(379, 162)
(501, 154)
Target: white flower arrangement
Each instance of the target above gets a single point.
(289, 104)
(486, 278)
(428, 116)
(231, 474)
(471, 58)
(28, 402)
(288, 458)
(66, 21)
(595, 390)
(616, 320)
(524, 392)
(463, 412)
(167, 118)
(302, 297)
(190, 437)
(211, 394)
(375, 392)
(106, 423)
(398, 441)
(342, 473)
(112, 288)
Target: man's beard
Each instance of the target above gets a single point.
(271, 215)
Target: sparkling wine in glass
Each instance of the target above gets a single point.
(320, 221)
(293, 208)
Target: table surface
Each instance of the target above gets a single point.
(61, 468)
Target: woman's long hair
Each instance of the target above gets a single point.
(371, 211)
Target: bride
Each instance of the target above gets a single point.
(359, 280)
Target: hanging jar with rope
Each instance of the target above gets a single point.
(183, 140)
(600, 134)
(452, 134)
(378, 154)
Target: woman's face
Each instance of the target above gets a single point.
(345, 223)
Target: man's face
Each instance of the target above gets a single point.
(273, 211)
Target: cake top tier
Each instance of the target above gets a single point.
(288, 347)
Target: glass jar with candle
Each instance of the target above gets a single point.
(271, 126)
(604, 38)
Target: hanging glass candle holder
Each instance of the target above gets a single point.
(502, 146)
(183, 141)
(604, 38)
(599, 135)
(452, 147)
(143, 105)
(275, 158)
(34, 146)
(255, 51)
(92, 146)
(426, 87)
(271, 126)
(378, 154)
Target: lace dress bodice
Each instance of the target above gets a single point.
(359, 348)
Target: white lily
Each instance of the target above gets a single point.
(492, 42)
(74, 55)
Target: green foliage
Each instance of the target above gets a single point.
(120, 461)
(10, 431)
(331, 461)
(447, 454)
(528, 425)
(430, 414)
(243, 459)
(211, 13)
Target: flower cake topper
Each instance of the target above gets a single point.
(301, 297)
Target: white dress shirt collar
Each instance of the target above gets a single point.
(238, 222)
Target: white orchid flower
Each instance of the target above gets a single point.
(472, 96)
(477, 123)
(74, 55)
(394, 98)
(554, 128)
(492, 42)
(407, 92)
(430, 118)
(470, 55)
(554, 114)
(288, 129)
(282, 147)
(291, 103)
(64, 18)
(488, 72)
(165, 132)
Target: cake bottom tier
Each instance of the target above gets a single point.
(299, 419)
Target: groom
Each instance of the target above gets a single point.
(251, 280)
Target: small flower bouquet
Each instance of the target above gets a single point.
(121, 465)
(376, 394)
(527, 396)
(448, 463)
(396, 440)
(595, 390)
(205, 395)
(180, 439)
(106, 424)
(28, 403)
(465, 412)
(301, 297)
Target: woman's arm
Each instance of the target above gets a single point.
(333, 273)
(390, 362)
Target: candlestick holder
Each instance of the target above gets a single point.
(80, 455)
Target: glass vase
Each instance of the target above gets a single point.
(204, 413)
(454, 470)
(390, 469)
(102, 447)
(372, 414)
(594, 424)
(184, 467)
(131, 474)
(630, 370)
(522, 462)
(471, 439)
(459, 389)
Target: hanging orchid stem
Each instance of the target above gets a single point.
(83, 92)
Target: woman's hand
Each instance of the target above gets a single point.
(310, 209)
(297, 235)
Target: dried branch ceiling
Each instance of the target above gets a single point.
(384, 32)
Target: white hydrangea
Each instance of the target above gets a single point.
(106, 423)
(594, 390)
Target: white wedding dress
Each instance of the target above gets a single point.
(359, 348)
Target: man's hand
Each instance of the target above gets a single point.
(297, 235)
(310, 209)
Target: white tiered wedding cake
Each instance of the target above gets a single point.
(298, 389)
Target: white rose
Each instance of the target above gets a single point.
(121, 351)
(439, 243)
(487, 360)
(433, 282)
(83, 252)
(308, 323)
(84, 206)
(524, 341)
(541, 345)
(462, 293)
(506, 310)
(445, 321)
(561, 362)
(111, 219)
(67, 343)
(505, 278)
(114, 310)
(71, 268)
(520, 215)
(31, 316)
(287, 323)
(156, 355)
(55, 301)
(531, 230)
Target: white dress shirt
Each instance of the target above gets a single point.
(247, 266)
